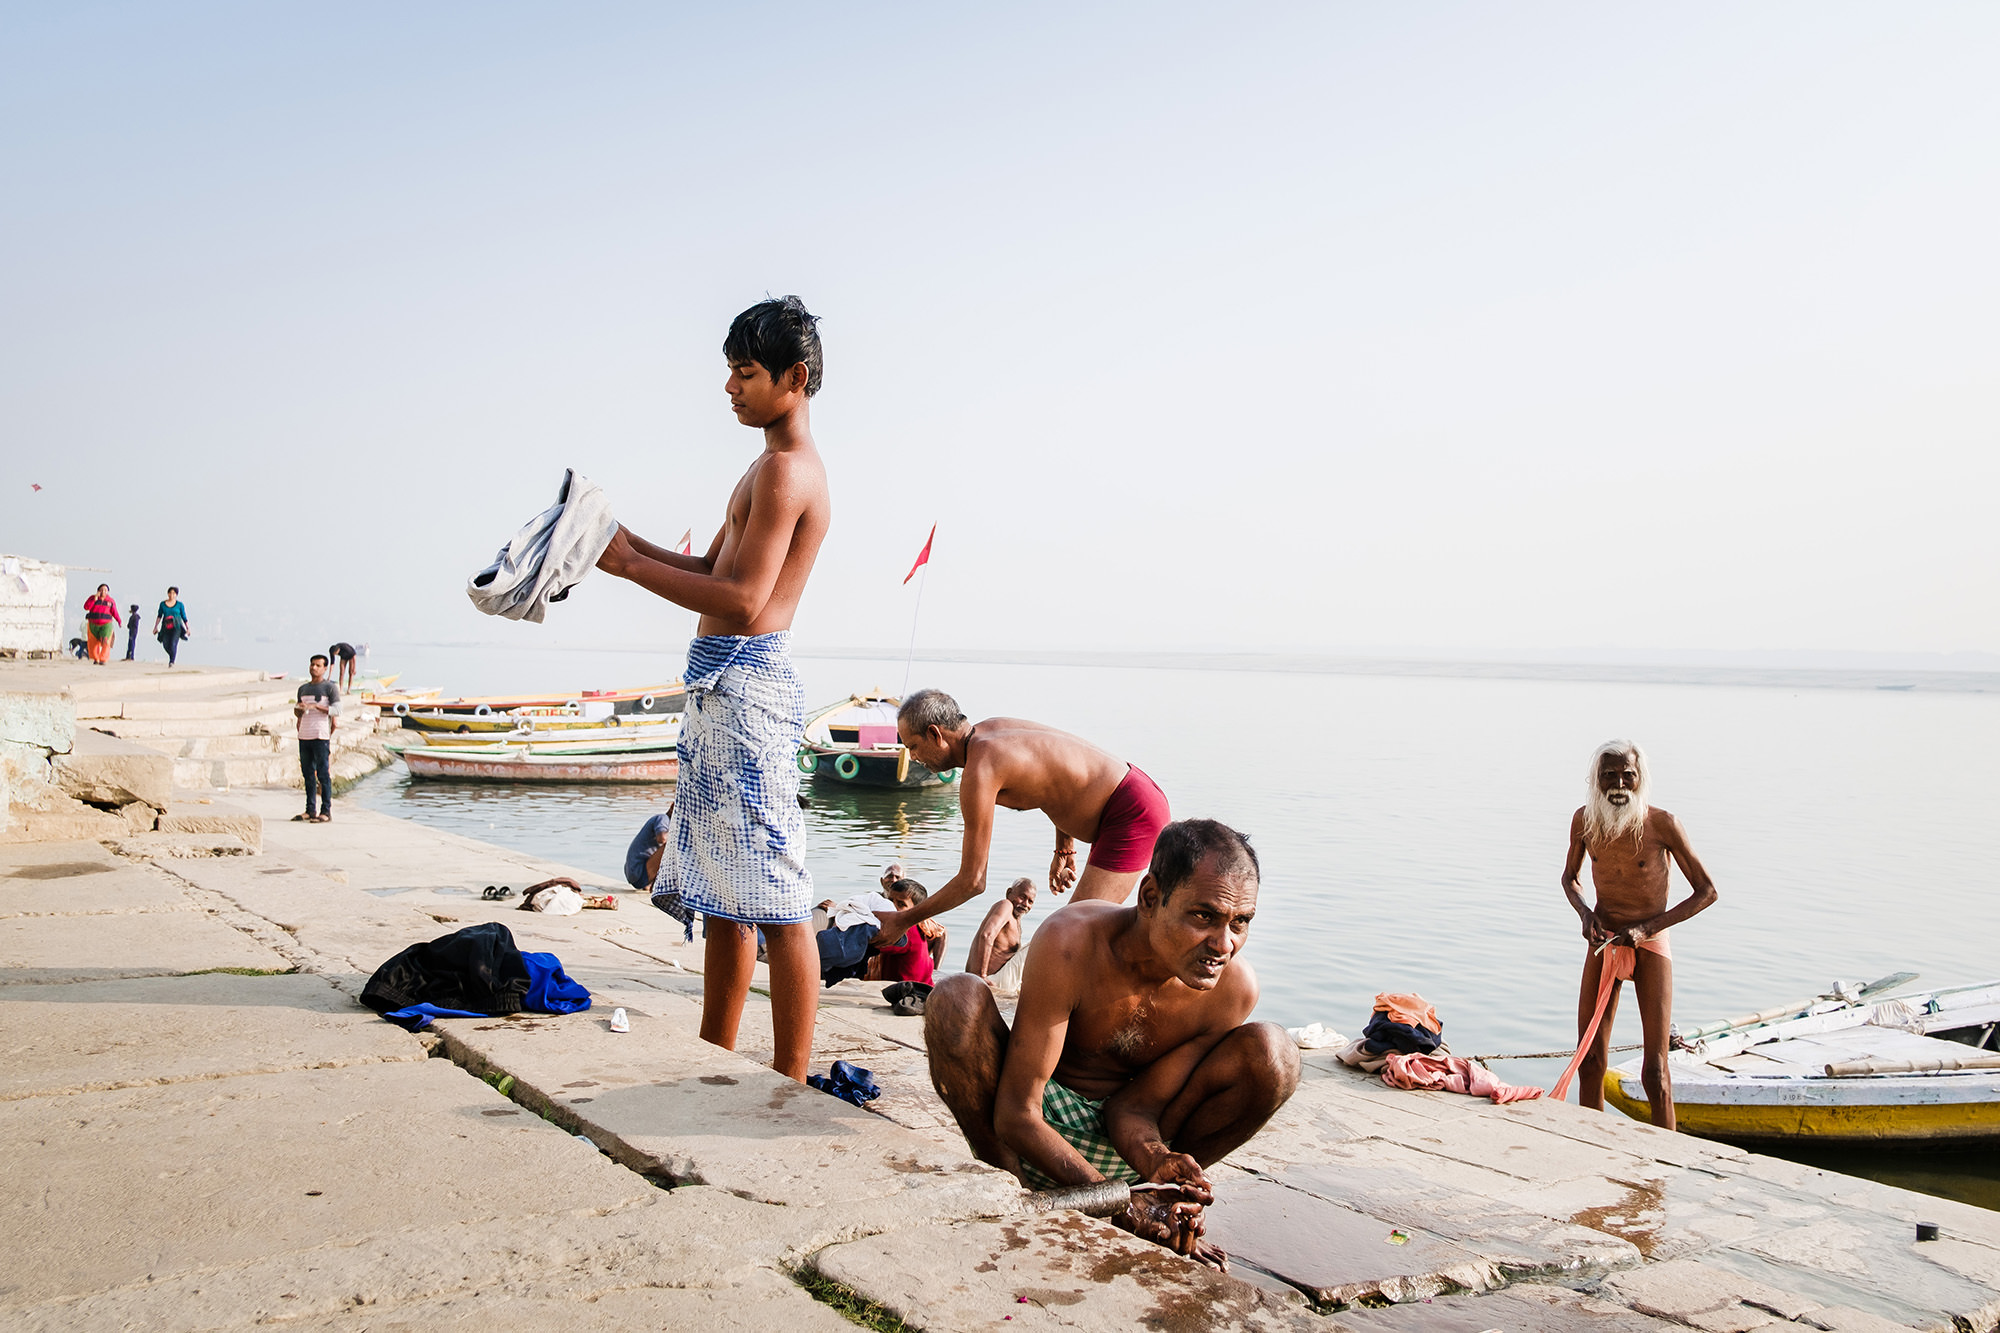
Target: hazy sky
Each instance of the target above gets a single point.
(1475, 328)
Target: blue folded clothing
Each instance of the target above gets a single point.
(417, 1017)
(850, 1083)
(1384, 1034)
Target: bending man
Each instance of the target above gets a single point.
(1090, 796)
(1630, 843)
(1130, 1057)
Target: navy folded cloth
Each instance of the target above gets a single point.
(1384, 1034)
(850, 1083)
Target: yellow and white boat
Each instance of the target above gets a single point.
(1843, 1068)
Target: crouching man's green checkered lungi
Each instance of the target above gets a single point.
(1081, 1123)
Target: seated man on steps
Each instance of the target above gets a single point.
(1130, 1057)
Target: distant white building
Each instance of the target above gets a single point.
(33, 594)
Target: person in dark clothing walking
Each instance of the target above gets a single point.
(132, 634)
(317, 708)
(171, 624)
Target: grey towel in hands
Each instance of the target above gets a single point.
(549, 556)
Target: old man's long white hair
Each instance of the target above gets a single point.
(1604, 822)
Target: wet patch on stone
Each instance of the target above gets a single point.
(1636, 1218)
(59, 870)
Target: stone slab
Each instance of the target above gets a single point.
(17, 857)
(693, 1258)
(1477, 1210)
(665, 1102)
(1334, 1254)
(765, 1302)
(100, 1035)
(105, 770)
(186, 817)
(36, 714)
(148, 944)
(109, 1188)
(70, 821)
(154, 845)
(63, 887)
(1519, 1309)
(1063, 1271)
(1705, 1297)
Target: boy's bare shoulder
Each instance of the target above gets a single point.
(790, 468)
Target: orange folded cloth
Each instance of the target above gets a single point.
(1408, 1007)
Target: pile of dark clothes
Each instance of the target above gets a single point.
(850, 1083)
(476, 972)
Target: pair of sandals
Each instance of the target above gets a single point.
(907, 998)
(494, 893)
(312, 819)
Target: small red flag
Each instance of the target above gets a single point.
(36, 484)
(924, 557)
(687, 542)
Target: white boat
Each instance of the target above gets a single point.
(1846, 1067)
(855, 741)
(649, 732)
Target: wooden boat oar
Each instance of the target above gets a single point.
(1893, 981)
(1933, 1064)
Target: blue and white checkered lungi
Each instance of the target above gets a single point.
(736, 842)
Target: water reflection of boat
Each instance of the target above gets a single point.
(1844, 1068)
(855, 741)
(519, 763)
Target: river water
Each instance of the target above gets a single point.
(1412, 830)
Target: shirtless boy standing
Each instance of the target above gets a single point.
(1629, 842)
(736, 838)
(1090, 796)
(1131, 1057)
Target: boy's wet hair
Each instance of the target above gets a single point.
(911, 887)
(777, 334)
(1184, 844)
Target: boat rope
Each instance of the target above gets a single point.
(1552, 1055)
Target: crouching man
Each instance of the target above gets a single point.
(1130, 1057)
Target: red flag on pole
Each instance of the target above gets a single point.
(687, 542)
(923, 557)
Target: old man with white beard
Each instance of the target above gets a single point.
(1630, 843)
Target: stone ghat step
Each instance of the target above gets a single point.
(245, 747)
(233, 700)
(279, 769)
(136, 680)
(274, 722)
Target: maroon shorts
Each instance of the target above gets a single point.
(1131, 822)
